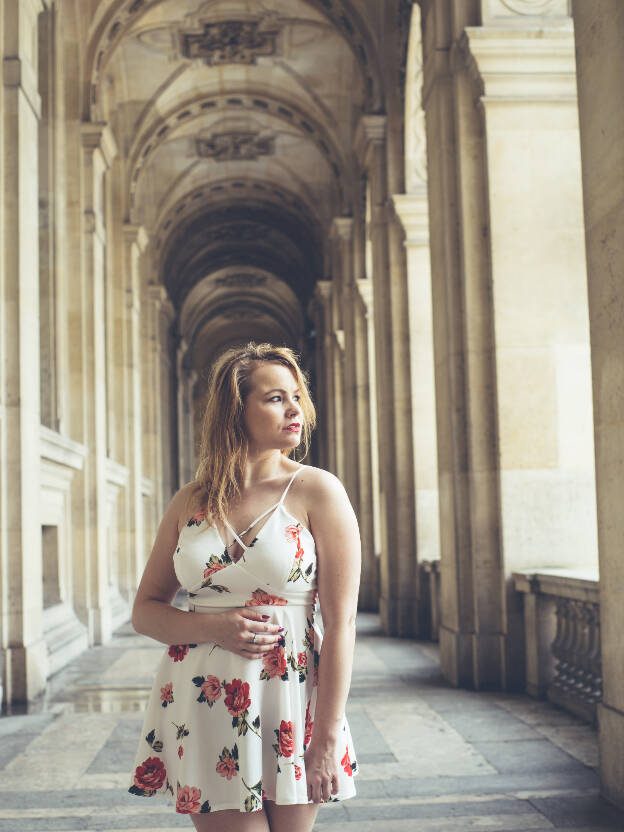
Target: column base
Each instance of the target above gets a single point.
(99, 624)
(611, 737)
(472, 660)
(399, 617)
(26, 671)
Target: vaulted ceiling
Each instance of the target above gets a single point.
(234, 121)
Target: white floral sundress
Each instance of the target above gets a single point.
(221, 731)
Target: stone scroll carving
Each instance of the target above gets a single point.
(230, 42)
(577, 683)
(497, 9)
(235, 145)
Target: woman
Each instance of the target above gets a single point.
(245, 726)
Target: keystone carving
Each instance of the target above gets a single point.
(230, 42)
(235, 145)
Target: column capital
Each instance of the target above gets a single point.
(413, 213)
(513, 65)
(136, 234)
(156, 292)
(98, 136)
(323, 291)
(342, 229)
(370, 131)
(364, 288)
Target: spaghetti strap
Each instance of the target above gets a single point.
(290, 482)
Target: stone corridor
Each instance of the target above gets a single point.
(432, 758)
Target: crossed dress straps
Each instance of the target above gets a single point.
(237, 537)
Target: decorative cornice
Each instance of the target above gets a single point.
(323, 290)
(98, 136)
(522, 64)
(342, 229)
(135, 234)
(413, 213)
(370, 130)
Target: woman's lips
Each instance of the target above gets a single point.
(293, 428)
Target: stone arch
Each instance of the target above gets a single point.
(122, 14)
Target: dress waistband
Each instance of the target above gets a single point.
(194, 607)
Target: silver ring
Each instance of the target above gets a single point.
(253, 640)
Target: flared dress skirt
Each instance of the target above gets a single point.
(225, 732)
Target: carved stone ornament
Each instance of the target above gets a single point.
(230, 42)
(241, 281)
(235, 145)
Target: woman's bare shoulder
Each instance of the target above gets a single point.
(185, 502)
(317, 482)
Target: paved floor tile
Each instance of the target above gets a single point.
(432, 758)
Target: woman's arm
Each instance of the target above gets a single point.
(335, 530)
(153, 615)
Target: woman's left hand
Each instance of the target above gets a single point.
(321, 769)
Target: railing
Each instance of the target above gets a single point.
(562, 637)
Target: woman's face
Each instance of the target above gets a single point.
(273, 415)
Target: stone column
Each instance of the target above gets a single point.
(511, 361)
(324, 374)
(88, 366)
(398, 573)
(342, 237)
(413, 211)
(23, 660)
(186, 379)
(367, 442)
(154, 296)
(599, 28)
(135, 242)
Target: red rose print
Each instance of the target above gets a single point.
(297, 772)
(227, 768)
(150, 775)
(308, 727)
(211, 688)
(275, 662)
(210, 570)
(180, 751)
(166, 694)
(302, 659)
(178, 651)
(346, 763)
(260, 599)
(292, 532)
(188, 800)
(286, 739)
(237, 699)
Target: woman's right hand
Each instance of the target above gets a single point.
(234, 630)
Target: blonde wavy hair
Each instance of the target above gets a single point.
(224, 446)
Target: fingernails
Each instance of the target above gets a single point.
(280, 629)
(266, 616)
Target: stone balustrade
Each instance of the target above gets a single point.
(562, 637)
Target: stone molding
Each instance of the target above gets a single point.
(364, 288)
(61, 449)
(136, 234)
(520, 12)
(342, 229)
(99, 136)
(323, 291)
(412, 211)
(519, 64)
(371, 130)
(19, 74)
(116, 473)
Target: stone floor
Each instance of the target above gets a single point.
(432, 759)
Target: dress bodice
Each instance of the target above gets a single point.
(278, 567)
